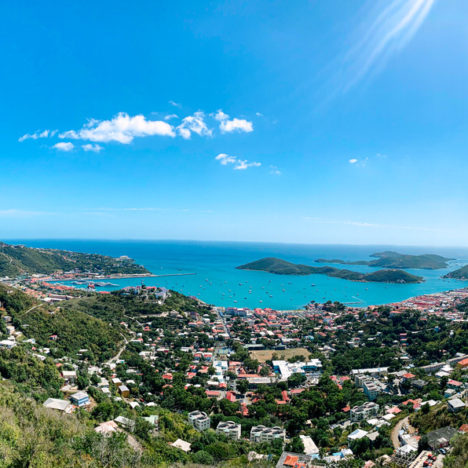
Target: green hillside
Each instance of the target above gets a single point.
(461, 273)
(389, 259)
(18, 260)
(282, 267)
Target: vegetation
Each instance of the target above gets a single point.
(461, 273)
(282, 267)
(18, 260)
(390, 259)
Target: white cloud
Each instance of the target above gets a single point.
(234, 125)
(225, 159)
(64, 146)
(194, 123)
(238, 164)
(244, 164)
(122, 128)
(37, 135)
(90, 147)
(175, 104)
(353, 161)
(171, 116)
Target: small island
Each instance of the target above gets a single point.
(16, 260)
(389, 259)
(461, 273)
(278, 266)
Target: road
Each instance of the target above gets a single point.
(396, 430)
(121, 350)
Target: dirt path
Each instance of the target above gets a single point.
(396, 430)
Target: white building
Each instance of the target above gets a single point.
(365, 411)
(230, 429)
(266, 434)
(199, 420)
(309, 445)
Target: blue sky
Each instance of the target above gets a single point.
(305, 121)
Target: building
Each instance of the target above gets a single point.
(80, 399)
(309, 446)
(124, 391)
(230, 429)
(440, 437)
(199, 420)
(69, 376)
(60, 405)
(125, 423)
(266, 434)
(357, 434)
(455, 405)
(294, 460)
(365, 411)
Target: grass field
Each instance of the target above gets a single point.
(267, 354)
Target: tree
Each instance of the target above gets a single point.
(242, 386)
(296, 445)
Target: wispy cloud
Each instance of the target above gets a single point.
(274, 170)
(194, 124)
(353, 161)
(365, 224)
(390, 27)
(227, 125)
(37, 135)
(64, 146)
(14, 213)
(238, 164)
(95, 148)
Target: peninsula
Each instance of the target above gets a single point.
(460, 273)
(389, 259)
(282, 267)
(16, 260)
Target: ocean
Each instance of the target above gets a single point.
(216, 280)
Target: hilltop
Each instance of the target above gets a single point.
(18, 260)
(389, 259)
(461, 273)
(282, 267)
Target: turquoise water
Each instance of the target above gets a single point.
(217, 282)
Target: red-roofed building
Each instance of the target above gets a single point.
(230, 396)
(212, 393)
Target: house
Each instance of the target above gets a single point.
(455, 405)
(293, 460)
(60, 405)
(80, 399)
(124, 391)
(229, 429)
(125, 423)
(440, 437)
(199, 420)
(309, 446)
(69, 376)
(357, 434)
(266, 434)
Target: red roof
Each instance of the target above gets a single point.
(290, 460)
(230, 396)
(409, 376)
(212, 393)
(463, 428)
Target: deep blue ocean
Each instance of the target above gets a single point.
(217, 282)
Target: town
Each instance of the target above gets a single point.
(322, 386)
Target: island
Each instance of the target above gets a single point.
(460, 273)
(282, 267)
(389, 259)
(16, 260)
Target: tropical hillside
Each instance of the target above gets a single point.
(389, 259)
(282, 267)
(18, 260)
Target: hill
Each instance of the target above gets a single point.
(389, 259)
(18, 260)
(282, 267)
(73, 329)
(461, 273)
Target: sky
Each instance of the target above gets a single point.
(277, 121)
